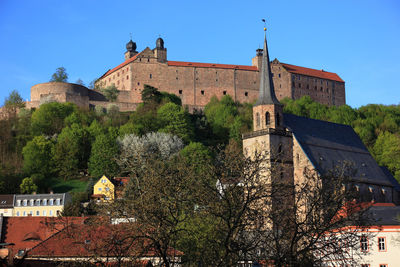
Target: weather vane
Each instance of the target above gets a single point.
(130, 34)
(265, 27)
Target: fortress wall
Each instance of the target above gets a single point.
(57, 88)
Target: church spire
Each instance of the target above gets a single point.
(267, 92)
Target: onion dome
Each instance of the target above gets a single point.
(131, 46)
(160, 43)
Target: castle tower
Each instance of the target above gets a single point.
(160, 52)
(130, 50)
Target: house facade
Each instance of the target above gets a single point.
(6, 205)
(48, 205)
(103, 190)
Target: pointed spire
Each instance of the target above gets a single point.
(267, 92)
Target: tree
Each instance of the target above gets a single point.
(14, 100)
(49, 118)
(110, 92)
(136, 151)
(27, 186)
(175, 120)
(60, 75)
(38, 157)
(72, 150)
(103, 156)
(387, 152)
(80, 82)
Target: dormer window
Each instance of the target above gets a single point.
(51, 202)
(37, 202)
(31, 202)
(57, 201)
(18, 202)
(370, 189)
(44, 202)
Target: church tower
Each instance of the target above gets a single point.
(270, 136)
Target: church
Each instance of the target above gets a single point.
(304, 143)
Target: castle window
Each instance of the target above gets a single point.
(279, 75)
(127, 77)
(382, 243)
(299, 85)
(148, 59)
(151, 76)
(258, 119)
(180, 92)
(246, 93)
(37, 202)
(138, 83)
(278, 120)
(177, 78)
(202, 92)
(118, 74)
(308, 86)
(321, 89)
(267, 118)
(315, 87)
(224, 92)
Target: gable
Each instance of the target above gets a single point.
(328, 145)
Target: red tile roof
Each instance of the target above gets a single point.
(94, 240)
(211, 65)
(312, 72)
(126, 62)
(27, 232)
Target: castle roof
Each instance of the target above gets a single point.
(211, 65)
(312, 72)
(123, 64)
(329, 145)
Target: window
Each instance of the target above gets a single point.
(246, 93)
(202, 92)
(267, 118)
(279, 75)
(258, 119)
(299, 85)
(24, 213)
(37, 213)
(51, 213)
(45, 202)
(151, 76)
(25, 202)
(382, 265)
(17, 213)
(224, 92)
(180, 92)
(37, 202)
(32, 202)
(51, 201)
(44, 213)
(107, 189)
(382, 243)
(18, 202)
(31, 213)
(364, 265)
(58, 201)
(127, 77)
(99, 188)
(278, 120)
(364, 243)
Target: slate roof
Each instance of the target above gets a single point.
(6, 201)
(329, 144)
(385, 215)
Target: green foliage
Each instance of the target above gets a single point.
(175, 120)
(38, 157)
(27, 186)
(150, 94)
(128, 128)
(110, 92)
(387, 152)
(227, 118)
(60, 75)
(14, 100)
(197, 155)
(71, 153)
(102, 157)
(95, 129)
(49, 118)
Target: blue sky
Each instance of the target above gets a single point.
(359, 40)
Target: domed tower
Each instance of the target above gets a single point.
(130, 50)
(160, 52)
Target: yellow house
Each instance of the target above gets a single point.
(104, 190)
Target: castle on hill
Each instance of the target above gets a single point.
(194, 83)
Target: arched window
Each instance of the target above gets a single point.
(267, 118)
(278, 119)
(258, 119)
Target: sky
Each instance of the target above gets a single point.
(358, 40)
